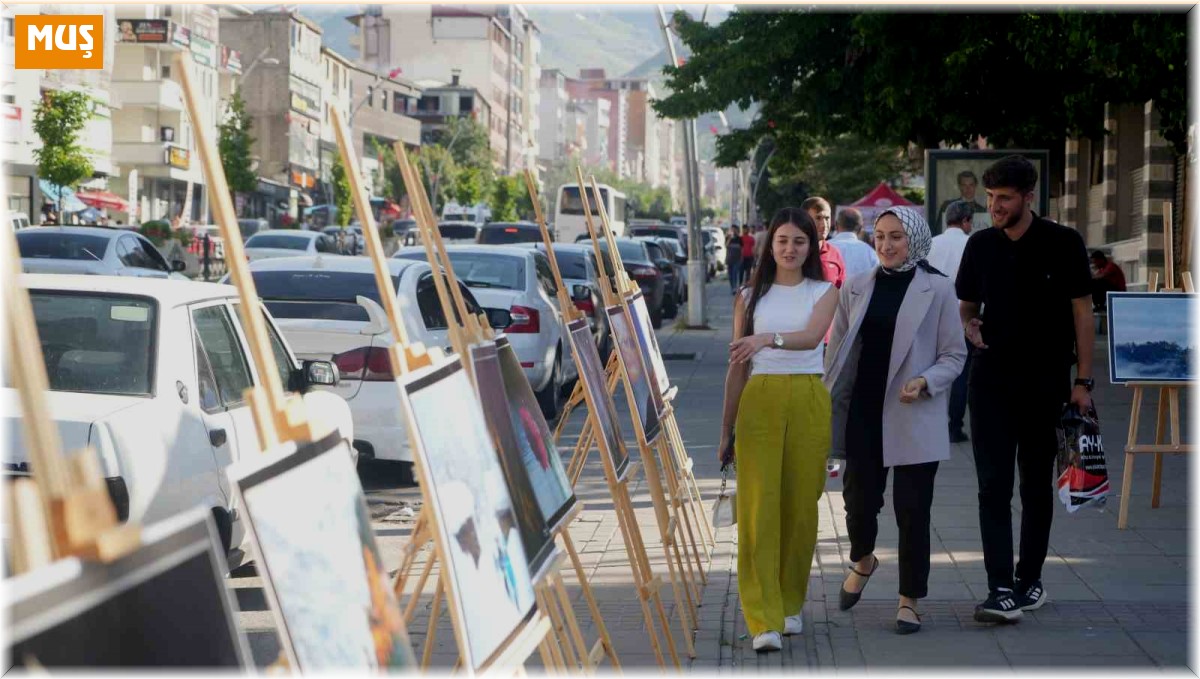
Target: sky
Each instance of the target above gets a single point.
(1143, 319)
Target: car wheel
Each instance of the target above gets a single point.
(224, 527)
(550, 397)
(670, 307)
(656, 317)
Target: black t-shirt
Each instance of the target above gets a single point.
(1026, 287)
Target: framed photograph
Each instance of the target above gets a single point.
(483, 558)
(514, 459)
(647, 401)
(1150, 337)
(952, 175)
(164, 605)
(554, 492)
(316, 552)
(649, 342)
(595, 384)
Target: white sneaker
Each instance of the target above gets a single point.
(793, 624)
(768, 641)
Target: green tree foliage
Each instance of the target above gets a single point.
(390, 181)
(57, 120)
(342, 197)
(506, 192)
(235, 144)
(469, 186)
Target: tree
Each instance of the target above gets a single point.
(390, 180)
(235, 144)
(343, 200)
(505, 193)
(58, 119)
(469, 187)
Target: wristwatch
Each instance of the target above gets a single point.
(777, 340)
(1088, 383)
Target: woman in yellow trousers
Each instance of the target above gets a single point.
(773, 388)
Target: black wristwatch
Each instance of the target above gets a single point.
(1088, 383)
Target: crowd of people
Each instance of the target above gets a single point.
(872, 354)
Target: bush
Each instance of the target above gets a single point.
(157, 230)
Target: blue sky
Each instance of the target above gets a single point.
(1143, 319)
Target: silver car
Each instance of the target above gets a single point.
(288, 243)
(92, 250)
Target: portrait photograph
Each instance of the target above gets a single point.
(649, 341)
(645, 408)
(952, 175)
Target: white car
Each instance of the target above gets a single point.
(455, 232)
(519, 279)
(718, 239)
(152, 377)
(288, 243)
(93, 250)
(329, 309)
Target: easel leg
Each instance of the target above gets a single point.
(431, 634)
(411, 608)
(1127, 476)
(416, 541)
(686, 613)
(551, 641)
(629, 531)
(693, 487)
(576, 644)
(647, 575)
(1160, 437)
(590, 598)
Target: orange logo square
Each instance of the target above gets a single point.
(59, 41)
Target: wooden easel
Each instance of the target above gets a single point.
(535, 633)
(1168, 397)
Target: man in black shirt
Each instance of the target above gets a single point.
(1024, 288)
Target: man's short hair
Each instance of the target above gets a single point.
(959, 211)
(967, 174)
(1011, 172)
(815, 203)
(1096, 254)
(850, 220)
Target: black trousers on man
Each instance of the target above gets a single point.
(1015, 407)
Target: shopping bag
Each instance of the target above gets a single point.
(724, 512)
(1081, 468)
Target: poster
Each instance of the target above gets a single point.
(952, 175)
(484, 567)
(600, 403)
(546, 471)
(514, 455)
(1150, 337)
(647, 401)
(316, 552)
(164, 605)
(649, 342)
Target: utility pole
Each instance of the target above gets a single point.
(697, 266)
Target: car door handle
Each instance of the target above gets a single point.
(217, 438)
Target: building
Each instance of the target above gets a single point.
(381, 108)
(597, 114)
(592, 84)
(552, 114)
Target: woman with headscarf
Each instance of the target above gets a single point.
(896, 347)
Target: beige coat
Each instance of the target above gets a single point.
(928, 342)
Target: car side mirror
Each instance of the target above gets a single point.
(321, 373)
(664, 265)
(580, 293)
(680, 259)
(499, 319)
(178, 265)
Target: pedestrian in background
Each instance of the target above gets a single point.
(895, 349)
(858, 256)
(946, 254)
(773, 388)
(831, 258)
(1106, 277)
(747, 253)
(733, 258)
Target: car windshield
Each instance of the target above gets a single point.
(458, 231)
(489, 271)
(321, 295)
(57, 245)
(96, 344)
(661, 232)
(572, 264)
(501, 234)
(281, 241)
(631, 250)
(671, 245)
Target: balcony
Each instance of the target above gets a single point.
(150, 153)
(160, 94)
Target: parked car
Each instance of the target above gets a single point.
(580, 273)
(352, 240)
(252, 225)
(458, 232)
(718, 245)
(153, 378)
(520, 280)
(329, 309)
(92, 250)
(405, 230)
(507, 233)
(643, 270)
(288, 243)
(672, 263)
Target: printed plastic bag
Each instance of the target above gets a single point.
(1081, 468)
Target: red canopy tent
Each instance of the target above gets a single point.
(103, 200)
(879, 199)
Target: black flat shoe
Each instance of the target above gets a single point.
(906, 627)
(846, 600)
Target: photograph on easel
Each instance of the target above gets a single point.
(546, 472)
(484, 565)
(514, 455)
(164, 605)
(649, 341)
(1150, 337)
(592, 374)
(317, 554)
(648, 403)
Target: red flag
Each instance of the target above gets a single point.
(395, 72)
(712, 128)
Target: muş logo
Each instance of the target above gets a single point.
(59, 41)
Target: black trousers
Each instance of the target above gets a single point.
(1014, 412)
(912, 495)
(958, 397)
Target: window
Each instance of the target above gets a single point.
(466, 104)
(210, 399)
(383, 97)
(545, 274)
(370, 96)
(325, 295)
(9, 27)
(166, 72)
(220, 344)
(398, 103)
(427, 303)
(279, 354)
(35, 245)
(96, 344)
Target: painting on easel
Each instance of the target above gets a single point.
(591, 373)
(484, 560)
(1150, 337)
(164, 605)
(546, 473)
(648, 401)
(649, 341)
(321, 567)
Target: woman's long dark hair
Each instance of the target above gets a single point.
(764, 271)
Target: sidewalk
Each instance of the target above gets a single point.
(1116, 598)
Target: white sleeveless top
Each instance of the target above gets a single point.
(787, 308)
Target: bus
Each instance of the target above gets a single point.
(569, 223)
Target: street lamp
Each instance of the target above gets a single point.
(262, 58)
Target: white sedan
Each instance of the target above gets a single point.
(288, 243)
(153, 378)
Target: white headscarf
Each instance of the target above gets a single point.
(920, 239)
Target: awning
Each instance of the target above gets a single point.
(70, 202)
(104, 200)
